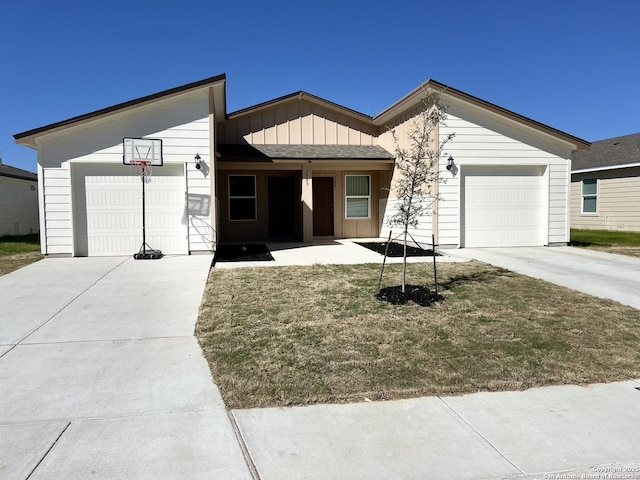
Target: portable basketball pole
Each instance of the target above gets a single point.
(145, 252)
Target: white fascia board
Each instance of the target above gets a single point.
(611, 167)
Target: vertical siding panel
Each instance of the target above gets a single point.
(331, 130)
(295, 130)
(343, 130)
(306, 122)
(319, 132)
(354, 132)
(282, 125)
(269, 125)
(257, 131)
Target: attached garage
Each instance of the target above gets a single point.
(107, 205)
(503, 206)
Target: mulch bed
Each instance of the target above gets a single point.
(413, 293)
(248, 252)
(397, 249)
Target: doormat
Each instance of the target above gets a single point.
(248, 252)
(397, 249)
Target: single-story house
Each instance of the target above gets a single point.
(18, 201)
(297, 167)
(605, 185)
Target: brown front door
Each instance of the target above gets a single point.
(322, 206)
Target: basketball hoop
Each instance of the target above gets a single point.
(143, 168)
(142, 153)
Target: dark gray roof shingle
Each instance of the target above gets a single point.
(608, 153)
(304, 152)
(13, 172)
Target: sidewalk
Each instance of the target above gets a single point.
(542, 433)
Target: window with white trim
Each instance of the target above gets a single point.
(242, 197)
(590, 195)
(358, 196)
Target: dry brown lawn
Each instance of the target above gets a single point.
(279, 336)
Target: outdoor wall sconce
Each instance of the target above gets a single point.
(450, 163)
(198, 161)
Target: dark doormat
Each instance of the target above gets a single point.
(397, 249)
(248, 252)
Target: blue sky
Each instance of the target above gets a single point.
(572, 64)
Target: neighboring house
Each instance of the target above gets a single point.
(298, 167)
(605, 185)
(18, 201)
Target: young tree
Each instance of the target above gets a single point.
(417, 162)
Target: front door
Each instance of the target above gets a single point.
(282, 207)
(322, 206)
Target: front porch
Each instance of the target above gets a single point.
(301, 199)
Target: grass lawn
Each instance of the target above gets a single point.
(623, 243)
(16, 252)
(279, 336)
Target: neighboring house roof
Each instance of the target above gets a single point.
(617, 152)
(13, 172)
(310, 152)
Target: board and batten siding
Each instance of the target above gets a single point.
(183, 125)
(296, 122)
(402, 125)
(18, 206)
(618, 200)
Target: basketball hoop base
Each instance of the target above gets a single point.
(147, 254)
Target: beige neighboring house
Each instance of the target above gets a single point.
(605, 185)
(298, 167)
(18, 201)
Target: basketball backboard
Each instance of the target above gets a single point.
(145, 149)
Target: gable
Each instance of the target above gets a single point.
(298, 120)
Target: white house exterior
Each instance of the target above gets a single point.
(18, 201)
(296, 167)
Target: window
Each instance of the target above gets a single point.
(358, 193)
(589, 196)
(242, 197)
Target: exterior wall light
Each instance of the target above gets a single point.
(450, 163)
(198, 161)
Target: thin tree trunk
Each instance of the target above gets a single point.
(404, 263)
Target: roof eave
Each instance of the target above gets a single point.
(28, 138)
(414, 97)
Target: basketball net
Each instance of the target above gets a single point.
(143, 169)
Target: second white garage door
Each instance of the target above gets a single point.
(502, 206)
(108, 210)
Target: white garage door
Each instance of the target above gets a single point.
(108, 210)
(503, 207)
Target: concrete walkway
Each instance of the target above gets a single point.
(543, 433)
(101, 376)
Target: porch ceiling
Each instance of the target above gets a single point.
(267, 153)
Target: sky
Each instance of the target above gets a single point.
(570, 64)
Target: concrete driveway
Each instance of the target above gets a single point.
(101, 375)
(600, 274)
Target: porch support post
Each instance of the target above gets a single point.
(307, 203)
